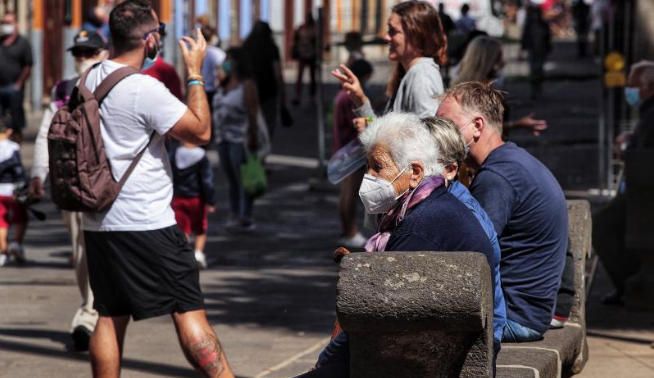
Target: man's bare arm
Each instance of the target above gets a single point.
(195, 125)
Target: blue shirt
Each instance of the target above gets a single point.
(530, 215)
(462, 193)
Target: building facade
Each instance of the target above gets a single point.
(51, 24)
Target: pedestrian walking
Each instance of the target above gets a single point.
(193, 194)
(16, 62)
(265, 60)
(214, 58)
(417, 44)
(581, 16)
(353, 44)
(88, 49)
(466, 23)
(97, 20)
(304, 50)
(344, 133)
(236, 116)
(537, 41)
(140, 264)
(447, 22)
(12, 214)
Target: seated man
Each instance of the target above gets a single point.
(405, 187)
(525, 203)
(609, 224)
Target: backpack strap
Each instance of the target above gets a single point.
(102, 90)
(136, 160)
(81, 84)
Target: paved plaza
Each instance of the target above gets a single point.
(270, 294)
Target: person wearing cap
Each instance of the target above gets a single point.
(88, 49)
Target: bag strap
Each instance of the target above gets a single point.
(136, 160)
(102, 90)
(81, 84)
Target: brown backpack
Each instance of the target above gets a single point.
(80, 172)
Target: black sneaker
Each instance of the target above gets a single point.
(81, 337)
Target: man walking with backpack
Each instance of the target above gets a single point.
(140, 264)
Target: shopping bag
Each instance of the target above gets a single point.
(253, 176)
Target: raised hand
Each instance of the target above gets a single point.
(351, 84)
(537, 126)
(193, 52)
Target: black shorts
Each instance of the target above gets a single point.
(142, 273)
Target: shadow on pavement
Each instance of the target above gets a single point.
(19, 347)
(301, 302)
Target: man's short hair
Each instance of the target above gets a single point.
(482, 98)
(128, 23)
(644, 69)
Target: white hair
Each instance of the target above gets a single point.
(407, 140)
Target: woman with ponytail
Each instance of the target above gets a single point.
(417, 44)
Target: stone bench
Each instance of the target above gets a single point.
(429, 314)
(562, 351)
(417, 314)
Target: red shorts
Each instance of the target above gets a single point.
(191, 215)
(11, 212)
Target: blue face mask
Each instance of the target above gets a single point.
(227, 67)
(632, 95)
(150, 59)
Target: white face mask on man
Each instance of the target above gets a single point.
(378, 195)
(467, 144)
(7, 29)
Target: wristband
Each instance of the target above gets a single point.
(195, 77)
(195, 82)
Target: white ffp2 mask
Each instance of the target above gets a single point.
(378, 195)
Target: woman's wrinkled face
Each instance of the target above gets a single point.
(398, 45)
(381, 165)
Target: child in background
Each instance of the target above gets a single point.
(12, 176)
(344, 133)
(193, 194)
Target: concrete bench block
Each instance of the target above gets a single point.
(562, 351)
(417, 313)
(580, 232)
(557, 354)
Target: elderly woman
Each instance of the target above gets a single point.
(405, 187)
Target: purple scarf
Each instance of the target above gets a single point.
(396, 215)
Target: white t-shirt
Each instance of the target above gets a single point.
(135, 107)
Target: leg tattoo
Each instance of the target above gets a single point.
(205, 355)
